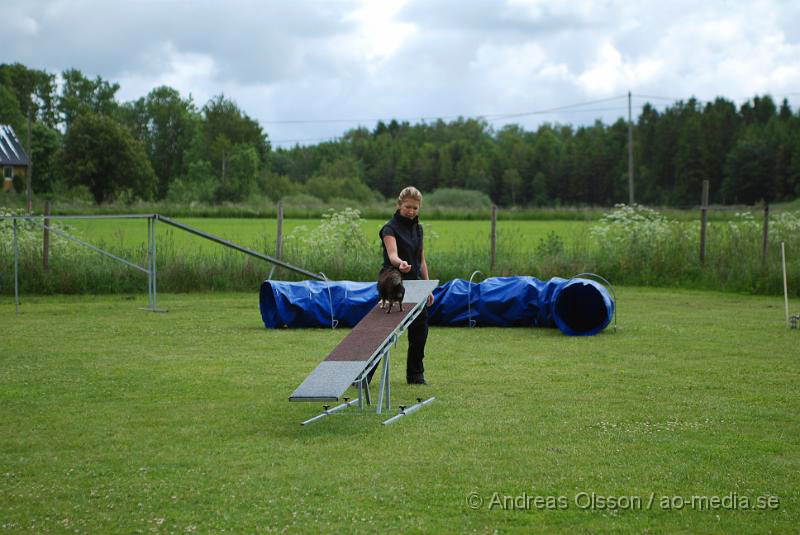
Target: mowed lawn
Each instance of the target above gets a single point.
(117, 420)
(261, 233)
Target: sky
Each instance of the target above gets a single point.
(309, 70)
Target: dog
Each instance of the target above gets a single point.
(390, 288)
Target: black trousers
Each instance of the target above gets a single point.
(417, 336)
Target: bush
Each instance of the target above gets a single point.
(303, 201)
(338, 247)
(457, 198)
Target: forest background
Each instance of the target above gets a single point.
(164, 147)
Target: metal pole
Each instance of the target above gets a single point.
(703, 221)
(409, 410)
(384, 383)
(494, 237)
(327, 411)
(16, 268)
(630, 153)
(766, 236)
(46, 237)
(150, 263)
(30, 165)
(155, 271)
(89, 246)
(785, 287)
(245, 250)
(278, 240)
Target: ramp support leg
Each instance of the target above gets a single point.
(406, 411)
(386, 386)
(327, 411)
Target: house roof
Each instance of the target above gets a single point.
(11, 151)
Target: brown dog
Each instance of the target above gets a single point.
(390, 288)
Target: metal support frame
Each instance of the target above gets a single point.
(406, 411)
(151, 269)
(238, 247)
(382, 354)
(326, 412)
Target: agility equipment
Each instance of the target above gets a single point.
(578, 306)
(406, 411)
(360, 352)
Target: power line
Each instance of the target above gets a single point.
(490, 120)
(427, 118)
(491, 117)
(553, 110)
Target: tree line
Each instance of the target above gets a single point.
(163, 146)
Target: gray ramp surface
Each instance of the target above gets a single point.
(333, 376)
(328, 381)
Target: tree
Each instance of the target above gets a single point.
(690, 164)
(224, 119)
(9, 110)
(512, 183)
(239, 179)
(720, 129)
(103, 155)
(278, 186)
(35, 92)
(166, 124)
(748, 172)
(46, 146)
(81, 95)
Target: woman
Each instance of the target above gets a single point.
(401, 238)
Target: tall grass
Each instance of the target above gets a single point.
(629, 245)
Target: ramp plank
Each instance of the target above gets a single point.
(370, 333)
(334, 375)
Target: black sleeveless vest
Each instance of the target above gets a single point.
(408, 235)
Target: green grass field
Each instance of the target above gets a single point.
(129, 233)
(117, 420)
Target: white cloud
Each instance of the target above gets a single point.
(188, 72)
(24, 25)
(413, 58)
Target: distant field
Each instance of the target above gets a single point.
(260, 233)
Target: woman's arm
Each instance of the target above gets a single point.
(391, 251)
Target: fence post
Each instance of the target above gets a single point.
(766, 236)
(494, 238)
(703, 221)
(46, 237)
(278, 239)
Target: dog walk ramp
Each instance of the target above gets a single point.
(361, 351)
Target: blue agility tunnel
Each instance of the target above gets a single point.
(577, 306)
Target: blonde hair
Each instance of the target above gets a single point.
(409, 192)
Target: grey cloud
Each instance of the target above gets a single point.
(251, 42)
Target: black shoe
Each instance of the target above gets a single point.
(416, 379)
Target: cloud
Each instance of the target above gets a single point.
(365, 59)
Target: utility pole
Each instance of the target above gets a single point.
(30, 165)
(630, 153)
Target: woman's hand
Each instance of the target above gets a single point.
(404, 266)
(430, 300)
